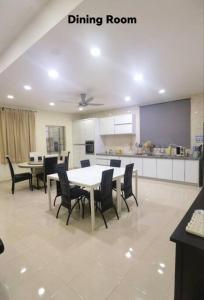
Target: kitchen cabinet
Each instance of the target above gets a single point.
(124, 129)
(103, 160)
(83, 130)
(123, 119)
(79, 154)
(125, 124)
(124, 161)
(137, 164)
(178, 169)
(106, 126)
(150, 167)
(120, 124)
(192, 171)
(164, 169)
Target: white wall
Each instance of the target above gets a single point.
(44, 118)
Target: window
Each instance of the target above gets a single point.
(55, 139)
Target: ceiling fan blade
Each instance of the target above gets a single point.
(89, 99)
(95, 104)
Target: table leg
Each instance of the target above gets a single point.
(49, 192)
(118, 190)
(92, 209)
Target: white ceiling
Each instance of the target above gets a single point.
(166, 45)
(14, 17)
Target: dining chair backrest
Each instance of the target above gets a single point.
(50, 165)
(64, 186)
(85, 163)
(10, 167)
(60, 167)
(66, 161)
(128, 180)
(115, 163)
(106, 189)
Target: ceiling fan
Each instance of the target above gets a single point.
(87, 101)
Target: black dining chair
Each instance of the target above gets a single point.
(66, 161)
(18, 177)
(69, 194)
(49, 166)
(115, 163)
(103, 197)
(85, 163)
(126, 187)
(1, 246)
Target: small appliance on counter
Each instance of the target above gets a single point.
(180, 151)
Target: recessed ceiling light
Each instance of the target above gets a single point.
(162, 91)
(127, 98)
(162, 265)
(52, 104)
(27, 87)
(160, 271)
(41, 291)
(23, 270)
(95, 51)
(128, 254)
(138, 77)
(53, 74)
(81, 108)
(10, 96)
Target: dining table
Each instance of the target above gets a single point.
(90, 178)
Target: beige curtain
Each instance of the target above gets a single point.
(17, 134)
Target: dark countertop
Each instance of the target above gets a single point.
(180, 235)
(149, 156)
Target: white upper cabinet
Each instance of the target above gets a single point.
(106, 126)
(83, 130)
(121, 124)
(123, 119)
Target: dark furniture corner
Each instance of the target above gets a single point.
(189, 264)
(18, 177)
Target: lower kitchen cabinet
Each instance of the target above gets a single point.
(164, 169)
(192, 171)
(150, 167)
(178, 170)
(137, 165)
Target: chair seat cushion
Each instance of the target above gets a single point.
(76, 192)
(22, 176)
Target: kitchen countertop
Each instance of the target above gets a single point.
(149, 156)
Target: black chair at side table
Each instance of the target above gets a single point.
(126, 187)
(18, 177)
(103, 197)
(85, 163)
(49, 166)
(115, 163)
(1, 246)
(69, 194)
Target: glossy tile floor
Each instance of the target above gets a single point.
(131, 260)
